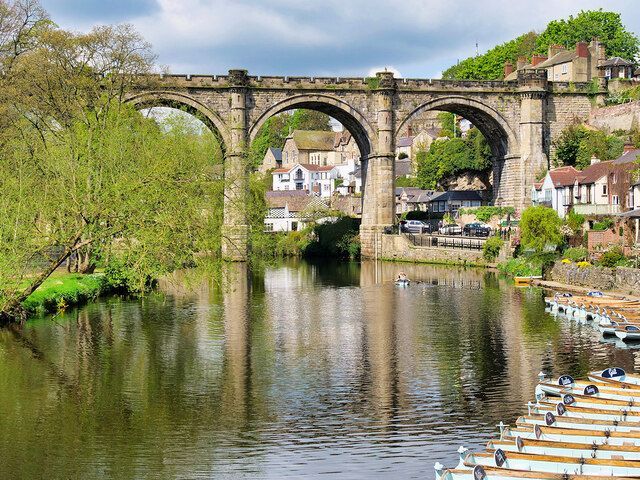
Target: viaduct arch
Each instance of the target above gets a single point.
(519, 118)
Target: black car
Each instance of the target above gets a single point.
(476, 229)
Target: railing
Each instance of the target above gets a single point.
(594, 209)
(446, 241)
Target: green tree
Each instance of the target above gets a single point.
(447, 157)
(576, 145)
(606, 26)
(539, 227)
(84, 174)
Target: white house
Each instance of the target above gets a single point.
(288, 210)
(557, 190)
(317, 179)
(350, 175)
(591, 188)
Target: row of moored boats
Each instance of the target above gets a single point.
(576, 430)
(612, 316)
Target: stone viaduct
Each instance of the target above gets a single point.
(519, 119)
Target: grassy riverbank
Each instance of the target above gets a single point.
(64, 290)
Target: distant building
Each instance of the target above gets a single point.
(616, 67)
(577, 65)
(288, 211)
(308, 146)
(272, 159)
(453, 200)
(409, 199)
(317, 179)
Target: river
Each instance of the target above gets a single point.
(304, 371)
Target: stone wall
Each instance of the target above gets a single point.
(616, 117)
(621, 279)
(398, 247)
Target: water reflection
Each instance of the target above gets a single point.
(306, 370)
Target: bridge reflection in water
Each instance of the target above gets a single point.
(302, 371)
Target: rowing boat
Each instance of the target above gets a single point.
(590, 437)
(551, 463)
(489, 473)
(565, 449)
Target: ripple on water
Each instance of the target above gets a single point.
(319, 371)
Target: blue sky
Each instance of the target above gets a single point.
(417, 38)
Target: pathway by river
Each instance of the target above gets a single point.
(306, 371)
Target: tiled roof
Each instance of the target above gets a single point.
(627, 157)
(277, 153)
(285, 193)
(561, 57)
(307, 166)
(563, 176)
(404, 142)
(294, 202)
(615, 62)
(456, 195)
(314, 140)
(403, 167)
(594, 172)
(537, 185)
(341, 138)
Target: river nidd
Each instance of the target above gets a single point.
(323, 370)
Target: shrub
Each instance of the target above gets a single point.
(612, 258)
(575, 254)
(520, 267)
(491, 248)
(539, 227)
(603, 225)
(574, 221)
(485, 212)
(402, 155)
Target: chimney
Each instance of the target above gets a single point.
(522, 61)
(582, 49)
(554, 49)
(508, 69)
(537, 59)
(594, 160)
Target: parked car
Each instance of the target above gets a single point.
(450, 229)
(476, 229)
(415, 226)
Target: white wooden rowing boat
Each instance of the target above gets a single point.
(489, 473)
(565, 449)
(628, 332)
(575, 435)
(551, 463)
(585, 424)
(616, 376)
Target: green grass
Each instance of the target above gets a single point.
(61, 291)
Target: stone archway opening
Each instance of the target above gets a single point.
(318, 133)
(499, 135)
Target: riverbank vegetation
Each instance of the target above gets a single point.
(85, 177)
(606, 26)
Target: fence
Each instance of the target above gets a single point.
(444, 241)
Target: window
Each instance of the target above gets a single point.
(614, 178)
(298, 186)
(294, 226)
(565, 69)
(588, 200)
(604, 190)
(607, 72)
(615, 200)
(268, 227)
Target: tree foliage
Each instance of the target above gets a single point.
(606, 26)
(576, 145)
(452, 156)
(84, 174)
(539, 228)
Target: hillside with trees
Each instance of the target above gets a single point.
(606, 26)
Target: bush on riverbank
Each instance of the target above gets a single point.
(491, 248)
(60, 292)
(520, 267)
(335, 239)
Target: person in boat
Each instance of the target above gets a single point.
(402, 277)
